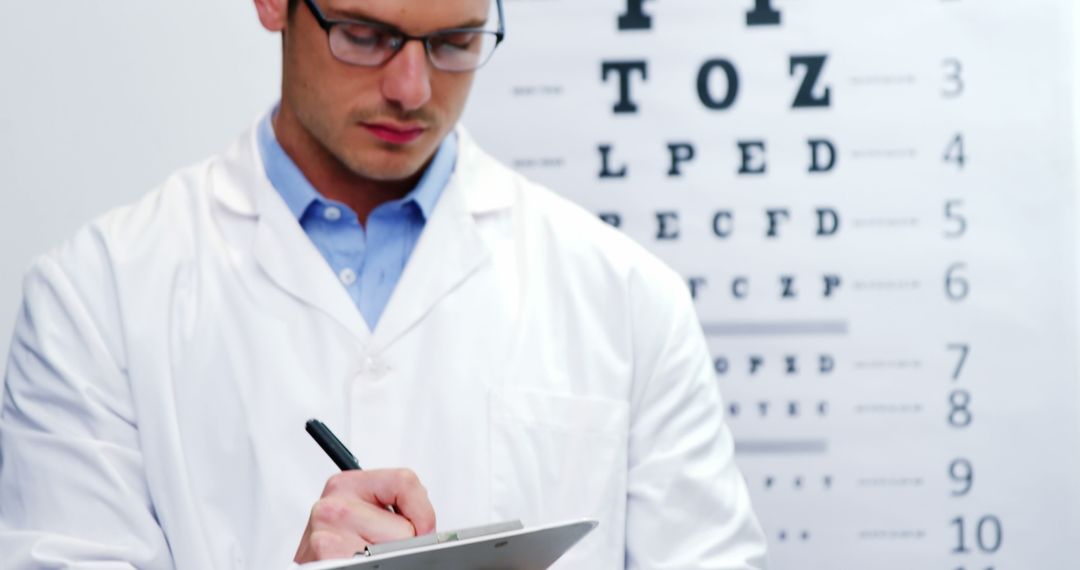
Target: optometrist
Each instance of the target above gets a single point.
(488, 350)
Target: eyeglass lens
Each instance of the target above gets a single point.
(359, 43)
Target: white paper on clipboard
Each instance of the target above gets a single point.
(527, 549)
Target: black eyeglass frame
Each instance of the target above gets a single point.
(328, 23)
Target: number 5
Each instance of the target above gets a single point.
(951, 215)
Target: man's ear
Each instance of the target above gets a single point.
(273, 13)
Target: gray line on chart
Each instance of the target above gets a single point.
(536, 90)
(889, 409)
(781, 446)
(776, 328)
(548, 162)
(887, 285)
(886, 222)
(891, 482)
(888, 364)
(886, 534)
(883, 80)
(885, 153)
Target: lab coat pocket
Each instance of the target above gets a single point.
(557, 458)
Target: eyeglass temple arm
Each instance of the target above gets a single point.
(502, 20)
(319, 16)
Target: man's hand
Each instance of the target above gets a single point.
(352, 513)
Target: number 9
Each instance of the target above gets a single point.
(961, 472)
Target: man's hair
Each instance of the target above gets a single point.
(292, 6)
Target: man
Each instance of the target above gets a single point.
(488, 350)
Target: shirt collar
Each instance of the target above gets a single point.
(299, 194)
(435, 178)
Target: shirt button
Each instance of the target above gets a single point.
(332, 213)
(347, 276)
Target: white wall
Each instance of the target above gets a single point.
(101, 100)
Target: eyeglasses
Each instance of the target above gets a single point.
(371, 44)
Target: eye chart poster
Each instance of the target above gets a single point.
(873, 203)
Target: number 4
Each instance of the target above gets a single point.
(955, 151)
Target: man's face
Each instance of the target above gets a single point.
(382, 123)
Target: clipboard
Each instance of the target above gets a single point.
(523, 549)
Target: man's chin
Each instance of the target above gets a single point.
(382, 162)
(387, 171)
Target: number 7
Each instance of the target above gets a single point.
(964, 350)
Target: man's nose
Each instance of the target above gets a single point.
(406, 77)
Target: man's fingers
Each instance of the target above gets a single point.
(398, 487)
(327, 544)
(409, 496)
(352, 513)
(351, 516)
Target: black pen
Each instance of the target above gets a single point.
(333, 447)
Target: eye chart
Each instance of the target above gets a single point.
(872, 202)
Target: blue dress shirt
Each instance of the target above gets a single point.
(368, 261)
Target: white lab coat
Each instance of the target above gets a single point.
(532, 364)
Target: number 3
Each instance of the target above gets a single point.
(954, 81)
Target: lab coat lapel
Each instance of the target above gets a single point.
(449, 250)
(293, 263)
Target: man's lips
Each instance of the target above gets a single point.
(397, 134)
